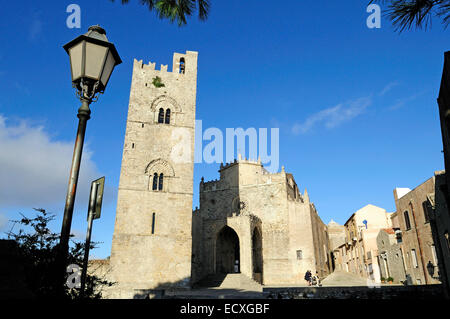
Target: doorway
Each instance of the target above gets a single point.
(227, 251)
(257, 260)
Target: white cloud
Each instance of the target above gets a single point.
(402, 101)
(34, 169)
(388, 87)
(333, 116)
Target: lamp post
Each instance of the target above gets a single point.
(92, 60)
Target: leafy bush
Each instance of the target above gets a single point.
(157, 82)
(39, 249)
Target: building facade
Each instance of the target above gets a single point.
(419, 251)
(359, 253)
(390, 255)
(259, 224)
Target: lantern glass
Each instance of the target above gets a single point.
(76, 61)
(95, 58)
(108, 68)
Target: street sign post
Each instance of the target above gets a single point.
(94, 211)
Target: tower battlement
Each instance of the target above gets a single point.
(183, 64)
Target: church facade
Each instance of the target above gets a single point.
(259, 224)
(249, 221)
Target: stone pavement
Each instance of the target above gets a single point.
(343, 279)
(338, 285)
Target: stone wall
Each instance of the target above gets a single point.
(384, 292)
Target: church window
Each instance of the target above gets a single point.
(160, 186)
(155, 181)
(167, 120)
(161, 115)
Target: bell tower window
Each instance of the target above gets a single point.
(160, 186)
(155, 181)
(161, 115)
(182, 66)
(167, 120)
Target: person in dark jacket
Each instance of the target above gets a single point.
(308, 277)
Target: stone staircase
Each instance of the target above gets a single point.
(236, 281)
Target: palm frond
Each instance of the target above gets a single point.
(177, 10)
(406, 14)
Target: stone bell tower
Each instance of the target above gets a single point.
(152, 240)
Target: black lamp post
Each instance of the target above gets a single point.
(92, 60)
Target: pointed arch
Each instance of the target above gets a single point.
(227, 251)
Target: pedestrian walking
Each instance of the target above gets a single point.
(316, 280)
(308, 276)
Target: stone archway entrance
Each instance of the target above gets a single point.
(257, 260)
(227, 251)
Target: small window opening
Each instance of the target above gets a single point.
(161, 176)
(155, 182)
(167, 120)
(153, 222)
(161, 115)
(182, 66)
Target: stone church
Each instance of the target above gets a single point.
(249, 221)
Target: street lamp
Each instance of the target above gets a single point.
(92, 60)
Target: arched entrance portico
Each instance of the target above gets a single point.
(227, 251)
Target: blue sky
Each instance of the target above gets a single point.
(356, 107)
